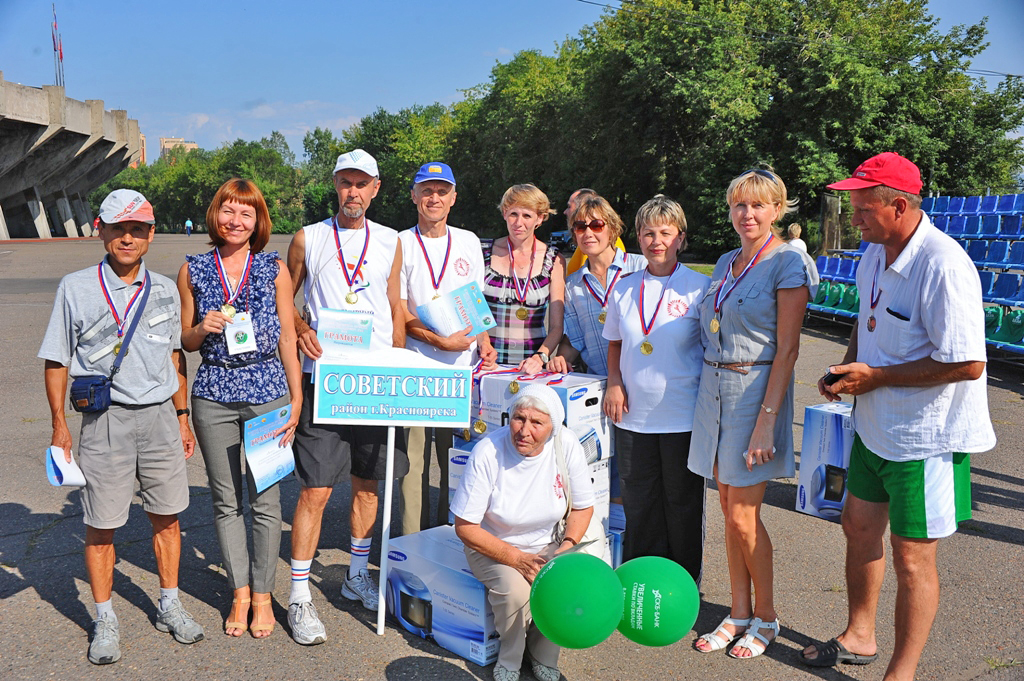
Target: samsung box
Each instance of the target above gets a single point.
(582, 396)
(432, 593)
(825, 459)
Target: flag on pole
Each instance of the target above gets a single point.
(60, 49)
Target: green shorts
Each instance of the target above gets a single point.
(927, 498)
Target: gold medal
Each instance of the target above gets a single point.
(436, 295)
(714, 325)
(351, 297)
(465, 434)
(521, 313)
(117, 347)
(479, 427)
(646, 348)
(513, 387)
(228, 309)
(603, 316)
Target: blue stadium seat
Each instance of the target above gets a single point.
(963, 243)
(926, 204)
(989, 226)
(988, 204)
(977, 249)
(821, 262)
(956, 205)
(1010, 226)
(945, 222)
(1016, 258)
(863, 247)
(971, 205)
(1005, 290)
(940, 205)
(997, 254)
(846, 270)
(831, 267)
(987, 279)
(1006, 202)
(972, 226)
(1018, 205)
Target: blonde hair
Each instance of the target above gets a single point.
(527, 196)
(760, 185)
(662, 210)
(593, 206)
(794, 231)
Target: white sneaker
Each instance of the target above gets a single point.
(361, 588)
(307, 629)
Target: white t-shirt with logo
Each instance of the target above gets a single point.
(465, 265)
(661, 388)
(519, 498)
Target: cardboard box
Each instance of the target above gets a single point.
(825, 460)
(432, 593)
(582, 396)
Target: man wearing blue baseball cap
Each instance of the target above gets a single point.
(436, 259)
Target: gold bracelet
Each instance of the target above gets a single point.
(769, 410)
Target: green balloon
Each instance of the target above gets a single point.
(576, 600)
(660, 601)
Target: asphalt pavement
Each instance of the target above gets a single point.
(47, 608)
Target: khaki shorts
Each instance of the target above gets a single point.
(128, 443)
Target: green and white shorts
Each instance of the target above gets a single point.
(927, 497)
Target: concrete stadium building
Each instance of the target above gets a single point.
(53, 152)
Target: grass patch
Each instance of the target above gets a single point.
(703, 269)
(996, 663)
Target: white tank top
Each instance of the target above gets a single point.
(325, 286)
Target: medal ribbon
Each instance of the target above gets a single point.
(229, 296)
(110, 301)
(521, 288)
(607, 291)
(351, 281)
(719, 296)
(874, 281)
(644, 325)
(444, 266)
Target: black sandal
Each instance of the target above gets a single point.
(832, 652)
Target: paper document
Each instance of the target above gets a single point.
(341, 331)
(60, 472)
(455, 310)
(265, 458)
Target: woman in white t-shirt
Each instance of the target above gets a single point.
(654, 364)
(511, 497)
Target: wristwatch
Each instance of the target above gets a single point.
(184, 412)
(544, 357)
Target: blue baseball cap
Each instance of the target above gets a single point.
(435, 170)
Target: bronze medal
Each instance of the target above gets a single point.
(646, 348)
(351, 297)
(521, 313)
(513, 387)
(479, 427)
(602, 317)
(714, 325)
(871, 323)
(228, 309)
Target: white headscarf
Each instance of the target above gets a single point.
(548, 397)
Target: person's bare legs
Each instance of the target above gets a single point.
(864, 525)
(363, 515)
(99, 562)
(917, 601)
(167, 547)
(309, 513)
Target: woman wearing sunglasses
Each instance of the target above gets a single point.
(654, 364)
(750, 323)
(524, 283)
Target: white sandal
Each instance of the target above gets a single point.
(753, 632)
(720, 638)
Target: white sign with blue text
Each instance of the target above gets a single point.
(391, 387)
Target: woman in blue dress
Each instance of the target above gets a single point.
(241, 377)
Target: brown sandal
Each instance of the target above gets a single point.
(254, 627)
(236, 625)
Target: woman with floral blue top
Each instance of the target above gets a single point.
(237, 311)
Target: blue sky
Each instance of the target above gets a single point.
(212, 72)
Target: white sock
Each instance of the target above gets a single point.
(360, 555)
(166, 596)
(105, 608)
(300, 581)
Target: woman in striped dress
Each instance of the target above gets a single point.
(524, 283)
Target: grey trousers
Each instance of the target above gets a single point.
(416, 512)
(219, 432)
(508, 592)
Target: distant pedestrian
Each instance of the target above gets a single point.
(188, 227)
(793, 232)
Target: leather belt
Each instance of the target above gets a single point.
(738, 366)
(238, 363)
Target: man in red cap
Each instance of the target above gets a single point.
(916, 362)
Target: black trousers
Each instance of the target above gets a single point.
(662, 499)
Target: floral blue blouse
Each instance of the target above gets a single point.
(256, 383)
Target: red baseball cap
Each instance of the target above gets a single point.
(889, 169)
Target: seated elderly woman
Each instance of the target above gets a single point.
(508, 510)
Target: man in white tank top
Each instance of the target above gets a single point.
(345, 262)
(436, 259)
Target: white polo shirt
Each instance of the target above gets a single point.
(929, 305)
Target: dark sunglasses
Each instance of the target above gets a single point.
(596, 226)
(762, 173)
